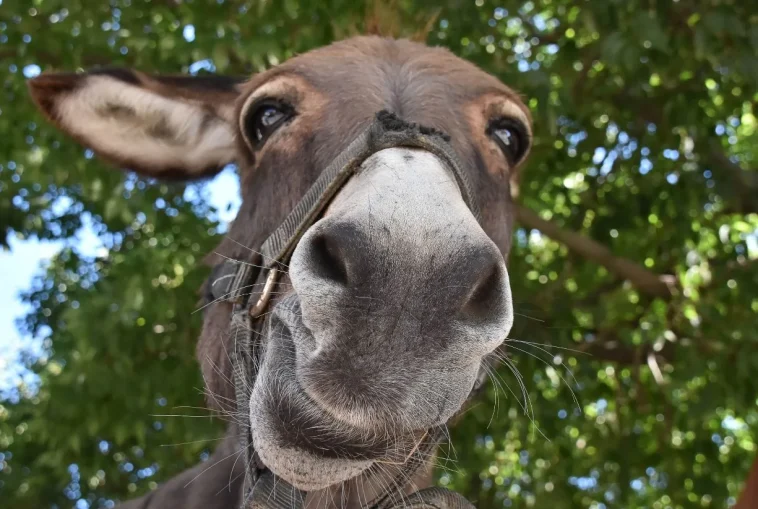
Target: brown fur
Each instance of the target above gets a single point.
(335, 91)
(377, 73)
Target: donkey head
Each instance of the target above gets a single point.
(396, 297)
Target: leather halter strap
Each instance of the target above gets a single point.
(248, 286)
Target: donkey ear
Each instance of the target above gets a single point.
(167, 126)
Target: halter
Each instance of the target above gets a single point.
(231, 281)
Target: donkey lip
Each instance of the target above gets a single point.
(293, 436)
(300, 421)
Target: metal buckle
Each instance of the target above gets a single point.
(268, 287)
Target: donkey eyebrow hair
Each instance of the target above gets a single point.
(278, 88)
(278, 85)
(507, 107)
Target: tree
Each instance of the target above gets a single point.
(633, 267)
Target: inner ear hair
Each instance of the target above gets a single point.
(160, 126)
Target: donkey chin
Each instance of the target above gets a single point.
(392, 311)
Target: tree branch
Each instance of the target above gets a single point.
(612, 350)
(749, 497)
(663, 286)
(745, 183)
(544, 38)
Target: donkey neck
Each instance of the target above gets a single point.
(213, 484)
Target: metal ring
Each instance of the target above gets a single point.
(262, 302)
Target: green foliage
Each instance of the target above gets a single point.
(645, 116)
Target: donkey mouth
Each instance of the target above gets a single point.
(297, 438)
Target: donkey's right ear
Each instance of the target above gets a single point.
(159, 126)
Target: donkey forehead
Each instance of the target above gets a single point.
(360, 76)
(336, 91)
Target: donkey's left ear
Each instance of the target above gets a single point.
(158, 126)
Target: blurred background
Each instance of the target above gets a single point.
(634, 264)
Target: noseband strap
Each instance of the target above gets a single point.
(249, 286)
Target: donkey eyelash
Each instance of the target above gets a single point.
(262, 118)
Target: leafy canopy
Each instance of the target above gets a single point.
(644, 166)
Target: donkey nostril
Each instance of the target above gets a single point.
(328, 261)
(487, 295)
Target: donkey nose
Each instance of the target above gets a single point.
(400, 249)
(401, 293)
(342, 265)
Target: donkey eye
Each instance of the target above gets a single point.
(264, 119)
(511, 136)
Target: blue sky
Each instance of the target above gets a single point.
(27, 258)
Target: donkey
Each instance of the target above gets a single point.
(395, 294)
